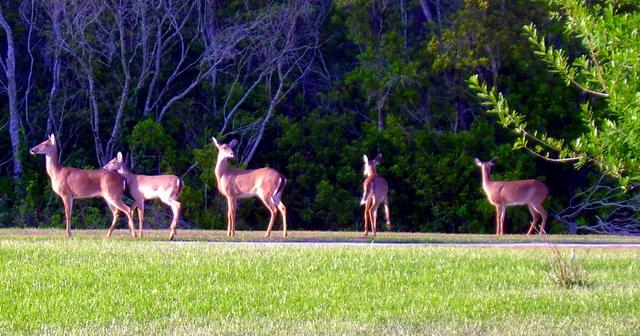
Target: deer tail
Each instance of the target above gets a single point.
(179, 187)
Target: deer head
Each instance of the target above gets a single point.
(116, 164)
(225, 150)
(486, 165)
(370, 166)
(47, 147)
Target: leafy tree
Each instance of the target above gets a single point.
(607, 72)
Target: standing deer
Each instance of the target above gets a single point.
(374, 193)
(71, 183)
(506, 193)
(166, 188)
(265, 183)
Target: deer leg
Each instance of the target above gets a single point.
(366, 218)
(374, 219)
(116, 203)
(114, 212)
(283, 213)
(140, 206)
(498, 220)
(273, 209)
(68, 206)
(534, 219)
(503, 210)
(231, 217)
(544, 214)
(386, 211)
(175, 208)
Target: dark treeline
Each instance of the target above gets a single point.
(306, 87)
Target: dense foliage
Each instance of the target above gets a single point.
(606, 71)
(307, 87)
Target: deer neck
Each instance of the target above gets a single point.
(372, 172)
(222, 167)
(486, 178)
(52, 164)
(126, 173)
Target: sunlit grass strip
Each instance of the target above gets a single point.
(320, 236)
(99, 286)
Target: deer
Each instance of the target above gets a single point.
(265, 183)
(166, 188)
(73, 183)
(374, 193)
(502, 194)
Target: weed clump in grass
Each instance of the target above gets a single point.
(566, 272)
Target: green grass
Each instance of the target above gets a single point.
(323, 236)
(88, 285)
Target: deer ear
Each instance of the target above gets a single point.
(478, 162)
(233, 143)
(215, 141)
(378, 158)
(119, 156)
(52, 138)
(365, 158)
(493, 161)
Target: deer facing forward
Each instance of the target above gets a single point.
(507, 193)
(166, 188)
(72, 183)
(374, 193)
(265, 183)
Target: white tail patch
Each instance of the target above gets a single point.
(276, 197)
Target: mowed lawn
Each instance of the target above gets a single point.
(92, 285)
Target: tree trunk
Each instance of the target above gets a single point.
(267, 118)
(113, 140)
(426, 11)
(14, 118)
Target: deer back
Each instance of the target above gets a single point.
(155, 186)
(375, 186)
(250, 182)
(516, 192)
(81, 183)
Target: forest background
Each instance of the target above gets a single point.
(307, 87)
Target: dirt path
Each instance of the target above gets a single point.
(347, 238)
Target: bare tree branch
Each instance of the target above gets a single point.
(614, 209)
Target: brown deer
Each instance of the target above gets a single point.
(72, 183)
(265, 183)
(374, 193)
(506, 193)
(166, 188)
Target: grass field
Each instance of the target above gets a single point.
(322, 236)
(91, 285)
